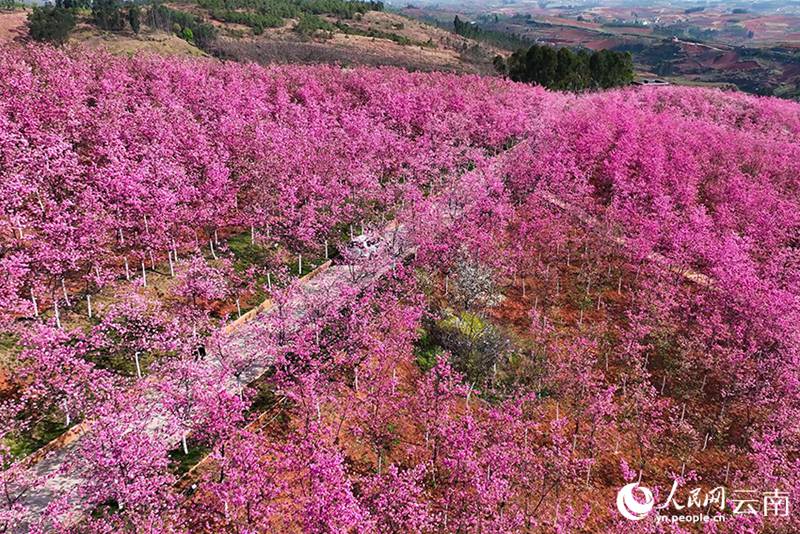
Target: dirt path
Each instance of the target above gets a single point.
(61, 480)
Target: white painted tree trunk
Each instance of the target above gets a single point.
(66, 413)
(89, 305)
(171, 264)
(35, 305)
(127, 270)
(213, 252)
(252, 235)
(66, 295)
(238, 308)
(138, 365)
(183, 442)
(326, 249)
(58, 314)
(269, 281)
(299, 264)
(144, 275)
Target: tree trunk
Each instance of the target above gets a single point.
(35, 306)
(138, 366)
(66, 295)
(58, 315)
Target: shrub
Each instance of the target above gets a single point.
(50, 24)
(107, 14)
(311, 24)
(135, 18)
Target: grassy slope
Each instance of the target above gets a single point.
(395, 40)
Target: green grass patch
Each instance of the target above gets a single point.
(426, 352)
(181, 463)
(246, 253)
(466, 323)
(9, 349)
(264, 397)
(124, 363)
(42, 433)
(8, 342)
(309, 263)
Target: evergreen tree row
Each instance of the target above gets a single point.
(563, 69)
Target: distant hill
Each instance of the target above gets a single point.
(321, 33)
(757, 52)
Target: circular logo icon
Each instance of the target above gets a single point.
(629, 507)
